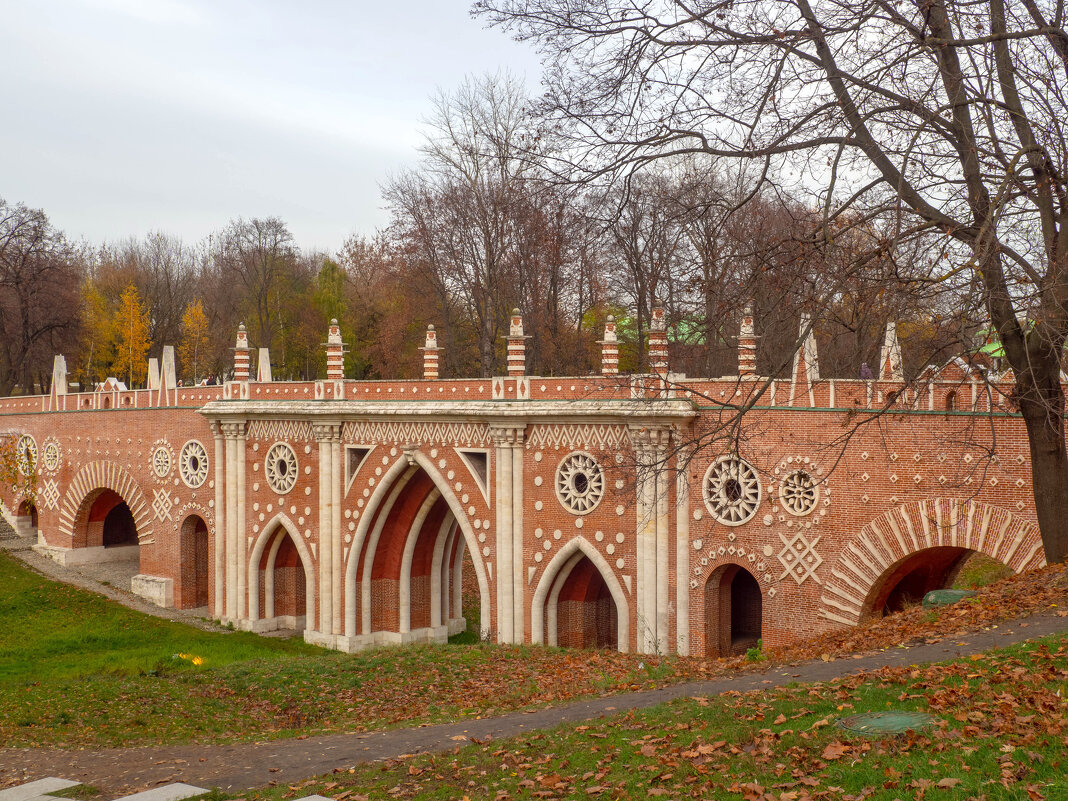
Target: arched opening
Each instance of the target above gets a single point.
(733, 611)
(26, 520)
(107, 403)
(905, 583)
(951, 401)
(283, 585)
(119, 527)
(195, 563)
(405, 574)
(586, 614)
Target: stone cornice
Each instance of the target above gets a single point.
(495, 413)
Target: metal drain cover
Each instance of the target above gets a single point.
(875, 723)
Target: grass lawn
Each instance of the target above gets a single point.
(1002, 733)
(79, 670)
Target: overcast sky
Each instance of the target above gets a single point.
(122, 117)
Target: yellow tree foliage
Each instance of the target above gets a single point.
(131, 338)
(98, 327)
(194, 344)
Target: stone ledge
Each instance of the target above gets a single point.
(154, 589)
(98, 555)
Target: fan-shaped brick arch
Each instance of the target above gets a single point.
(103, 475)
(917, 526)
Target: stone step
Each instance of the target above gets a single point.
(168, 792)
(34, 790)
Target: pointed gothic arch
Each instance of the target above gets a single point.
(556, 574)
(272, 534)
(365, 540)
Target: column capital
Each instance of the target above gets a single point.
(646, 437)
(504, 435)
(233, 429)
(327, 431)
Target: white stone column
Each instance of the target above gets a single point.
(219, 609)
(234, 433)
(503, 504)
(682, 552)
(518, 583)
(242, 539)
(328, 436)
(508, 503)
(663, 547)
(653, 540)
(337, 491)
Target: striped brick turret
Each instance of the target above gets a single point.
(658, 343)
(430, 354)
(610, 348)
(517, 345)
(241, 354)
(335, 353)
(747, 344)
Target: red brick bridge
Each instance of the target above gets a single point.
(611, 511)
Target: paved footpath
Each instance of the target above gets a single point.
(248, 765)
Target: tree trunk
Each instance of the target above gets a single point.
(1043, 414)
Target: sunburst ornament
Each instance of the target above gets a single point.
(280, 467)
(732, 490)
(193, 464)
(579, 483)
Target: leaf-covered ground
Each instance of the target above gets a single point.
(77, 670)
(1001, 733)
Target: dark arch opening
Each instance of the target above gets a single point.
(195, 563)
(26, 520)
(905, 583)
(586, 615)
(119, 527)
(951, 401)
(733, 611)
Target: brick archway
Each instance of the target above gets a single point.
(891, 538)
(556, 573)
(88, 484)
(358, 571)
(272, 534)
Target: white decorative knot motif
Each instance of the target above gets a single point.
(799, 557)
(161, 504)
(50, 494)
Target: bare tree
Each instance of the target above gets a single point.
(457, 210)
(948, 116)
(40, 273)
(259, 254)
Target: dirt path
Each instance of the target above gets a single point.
(248, 765)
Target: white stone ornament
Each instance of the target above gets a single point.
(193, 464)
(281, 469)
(162, 461)
(53, 456)
(731, 490)
(579, 483)
(26, 454)
(798, 493)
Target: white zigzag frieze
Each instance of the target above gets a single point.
(367, 432)
(568, 435)
(280, 430)
(895, 535)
